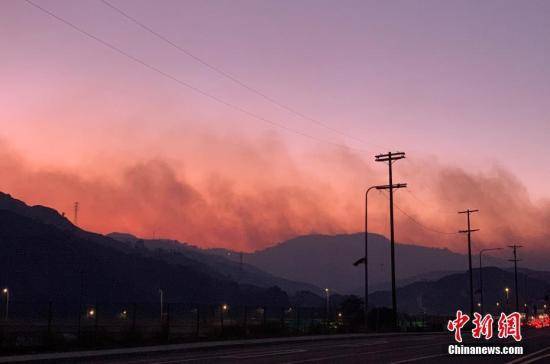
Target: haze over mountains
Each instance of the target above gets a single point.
(327, 261)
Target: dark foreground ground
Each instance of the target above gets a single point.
(430, 348)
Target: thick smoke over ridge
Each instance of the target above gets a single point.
(258, 195)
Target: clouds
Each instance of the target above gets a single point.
(257, 194)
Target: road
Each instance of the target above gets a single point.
(430, 348)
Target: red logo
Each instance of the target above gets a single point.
(508, 326)
(457, 324)
(483, 326)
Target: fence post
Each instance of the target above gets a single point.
(167, 322)
(245, 321)
(197, 332)
(96, 320)
(264, 317)
(134, 312)
(50, 313)
(221, 319)
(78, 330)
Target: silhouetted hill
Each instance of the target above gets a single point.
(183, 253)
(44, 257)
(327, 261)
(452, 292)
(43, 214)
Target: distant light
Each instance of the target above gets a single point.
(339, 314)
(91, 312)
(507, 289)
(498, 303)
(326, 290)
(5, 290)
(478, 304)
(225, 307)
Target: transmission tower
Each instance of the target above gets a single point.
(76, 213)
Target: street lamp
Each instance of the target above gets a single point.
(124, 314)
(6, 292)
(364, 260)
(507, 290)
(327, 293)
(224, 308)
(161, 293)
(481, 275)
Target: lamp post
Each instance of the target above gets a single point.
(6, 292)
(507, 291)
(481, 276)
(327, 292)
(364, 260)
(224, 308)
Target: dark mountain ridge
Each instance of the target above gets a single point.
(452, 292)
(327, 261)
(44, 257)
(183, 253)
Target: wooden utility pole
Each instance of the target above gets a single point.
(469, 231)
(516, 260)
(390, 158)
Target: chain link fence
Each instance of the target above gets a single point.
(62, 325)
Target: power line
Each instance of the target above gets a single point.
(425, 227)
(229, 76)
(187, 85)
(427, 205)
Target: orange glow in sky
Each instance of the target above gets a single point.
(142, 154)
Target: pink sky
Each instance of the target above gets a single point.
(460, 86)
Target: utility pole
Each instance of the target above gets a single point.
(76, 213)
(481, 277)
(469, 231)
(390, 158)
(516, 260)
